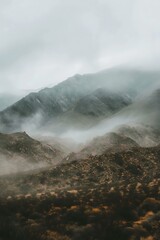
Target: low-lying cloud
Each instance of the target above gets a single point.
(44, 42)
(17, 164)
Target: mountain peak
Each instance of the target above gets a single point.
(97, 95)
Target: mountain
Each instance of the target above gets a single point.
(101, 103)
(144, 111)
(108, 188)
(36, 109)
(126, 136)
(65, 145)
(20, 152)
(89, 110)
(134, 125)
(143, 135)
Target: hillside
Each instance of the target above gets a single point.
(99, 145)
(112, 196)
(101, 102)
(19, 152)
(89, 111)
(143, 135)
(142, 114)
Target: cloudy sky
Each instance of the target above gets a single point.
(42, 42)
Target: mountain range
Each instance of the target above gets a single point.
(83, 101)
(80, 160)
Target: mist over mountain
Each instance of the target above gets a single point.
(19, 152)
(90, 164)
(79, 120)
(142, 114)
(101, 102)
(79, 101)
(111, 142)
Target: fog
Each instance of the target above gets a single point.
(136, 85)
(143, 112)
(17, 164)
(44, 42)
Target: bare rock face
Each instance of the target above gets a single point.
(101, 103)
(144, 135)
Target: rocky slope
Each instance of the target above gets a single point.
(37, 108)
(98, 146)
(101, 103)
(112, 196)
(89, 110)
(122, 137)
(143, 115)
(143, 135)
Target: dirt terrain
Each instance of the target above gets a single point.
(114, 196)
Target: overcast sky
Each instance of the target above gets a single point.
(42, 42)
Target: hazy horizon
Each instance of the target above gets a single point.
(45, 42)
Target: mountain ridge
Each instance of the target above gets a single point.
(50, 103)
